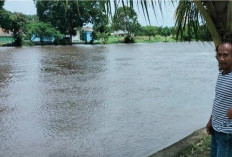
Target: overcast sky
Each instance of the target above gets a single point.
(167, 19)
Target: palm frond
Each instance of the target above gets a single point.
(188, 19)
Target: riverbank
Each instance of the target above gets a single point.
(112, 40)
(195, 145)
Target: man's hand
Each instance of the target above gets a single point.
(209, 127)
(229, 113)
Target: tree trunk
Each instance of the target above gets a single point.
(41, 40)
(70, 39)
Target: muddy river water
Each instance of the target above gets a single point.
(103, 100)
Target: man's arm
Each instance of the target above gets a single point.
(229, 113)
(209, 127)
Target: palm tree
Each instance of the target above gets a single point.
(216, 15)
(191, 14)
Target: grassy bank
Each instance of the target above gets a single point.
(196, 144)
(112, 40)
(139, 39)
(198, 149)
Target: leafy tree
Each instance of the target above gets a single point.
(41, 30)
(102, 31)
(173, 32)
(32, 18)
(166, 32)
(101, 23)
(215, 14)
(126, 19)
(66, 17)
(204, 34)
(5, 19)
(159, 30)
(18, 21)
(2, 3)
(12, 22)
(149, 31)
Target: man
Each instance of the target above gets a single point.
(220, 123)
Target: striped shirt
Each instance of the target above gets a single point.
(221, 104)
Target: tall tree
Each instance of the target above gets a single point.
(18, 22)
(215, 14)
(66, 17)
(13, 22)
(166, 32)
(149, 31)
(126, 19)
(4, 17)
(2, 3)
(100, 22)
(41, 30)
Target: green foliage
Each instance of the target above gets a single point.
(5, 19)
(18, 21)
(199, 149)
(101, 23)
(13, 22)
(2, 3)
(204, 34)
(41, 30)
(166, 31)
(66, 17)
(129, 39)
(149, 31)
(32, 18)
(126, 19)
(187, 20)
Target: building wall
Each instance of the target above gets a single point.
(76, 37)
(37, 39)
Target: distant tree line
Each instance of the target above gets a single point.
(59, 19)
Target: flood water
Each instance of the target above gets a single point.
(103, 100)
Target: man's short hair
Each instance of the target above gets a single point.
(222, 43)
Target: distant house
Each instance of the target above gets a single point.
(45, 40)
(76, 38)
(87, 34)
(5, 37)
(119, 33)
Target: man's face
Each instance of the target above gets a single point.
(224, 57)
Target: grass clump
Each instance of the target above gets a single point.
(199, 149)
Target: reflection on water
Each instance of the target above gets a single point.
(111, 100)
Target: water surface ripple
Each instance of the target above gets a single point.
(113, 100)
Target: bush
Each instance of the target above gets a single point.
(129, 39)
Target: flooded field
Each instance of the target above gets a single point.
(103, 100)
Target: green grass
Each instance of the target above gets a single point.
(5, 40)
(157, 38)
(199, 149)
(138, 39)
(112, 40)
